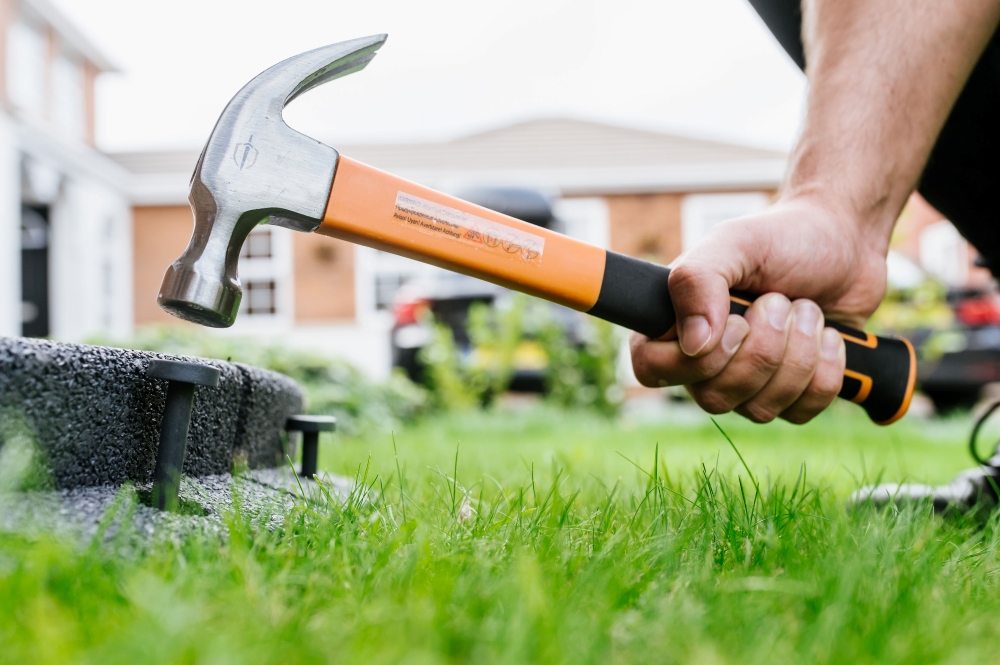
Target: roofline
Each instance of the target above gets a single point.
(69, 32)
(153, 189)
(679, 133)
(74, 157)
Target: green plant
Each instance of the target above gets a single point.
(458, 382)
(496, 334)
(22, 463)
(445, 375)
(583, 375)
(578, 373)
(906, 310)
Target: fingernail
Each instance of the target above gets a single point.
(807, 318)
(830, 348)
(778, 308)
(734, 334)
(694, 334)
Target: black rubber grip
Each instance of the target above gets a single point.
(880, 373)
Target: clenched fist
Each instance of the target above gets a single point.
(777, 360)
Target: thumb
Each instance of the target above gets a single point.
(700, 293)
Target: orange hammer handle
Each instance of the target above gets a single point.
(377, 209)
(373, 208)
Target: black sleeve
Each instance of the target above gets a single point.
(962, 175)
(784, 19)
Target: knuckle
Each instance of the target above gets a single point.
(764, 360)
(682, 274)
(710, 366)
(637, 342)
(798, 416)
(685, 279)
(757, 413)
(711, 401)
(826, 385)
(801, 364)
(642, 372)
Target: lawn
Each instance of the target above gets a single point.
(534, 535)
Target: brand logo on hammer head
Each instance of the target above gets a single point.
(245, 155)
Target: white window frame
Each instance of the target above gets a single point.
(586, 218)
(27, 65)
(68, 95)
(371, 264)
(279, 268)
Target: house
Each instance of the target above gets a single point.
(636, 192)
(65, 216)
(85, 237)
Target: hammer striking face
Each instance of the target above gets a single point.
(256, 169)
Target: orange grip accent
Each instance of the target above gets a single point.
(866, 385)
(911, 385)
(870, 340)
(370, 207)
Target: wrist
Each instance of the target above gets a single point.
(869, 223)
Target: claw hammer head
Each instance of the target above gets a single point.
(255, 169)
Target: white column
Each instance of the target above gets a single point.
(90, 264)
(10, 231)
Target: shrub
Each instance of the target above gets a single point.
(579, 373)
(332, 387)
(583, 375)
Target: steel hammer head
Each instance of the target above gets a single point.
(255, 169)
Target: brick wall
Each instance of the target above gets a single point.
(159, 235)
(324, 278)
(647, 226)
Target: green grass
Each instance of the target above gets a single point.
(839, 448)
(541, 536)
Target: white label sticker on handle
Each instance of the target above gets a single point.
(439, 220)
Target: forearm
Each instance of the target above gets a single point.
(883, 76)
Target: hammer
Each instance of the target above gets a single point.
(255, 169)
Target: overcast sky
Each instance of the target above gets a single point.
(451, 67)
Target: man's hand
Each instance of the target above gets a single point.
(883, 76)
(777, 359)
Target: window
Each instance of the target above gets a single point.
(266, 275)
(386, 287)
(260, 297)
(257, 245)
(390, 272)
(68, 109)
(700, 212)
(585, 219)
(26, 66)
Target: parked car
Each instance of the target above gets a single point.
(956, 363)
(449, 296)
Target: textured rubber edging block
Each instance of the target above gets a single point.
(269, 399)
(96, 415)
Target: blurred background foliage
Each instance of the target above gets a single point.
(332, 387)
(923, 307)
(577, 373)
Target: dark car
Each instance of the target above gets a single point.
(449, 296)
(956, 363)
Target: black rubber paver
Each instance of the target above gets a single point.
(96, 416)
